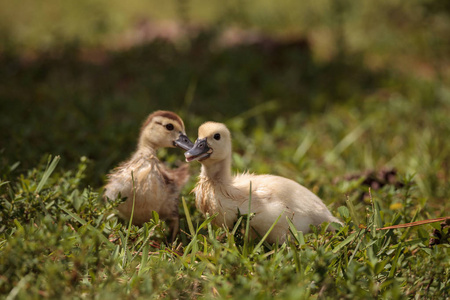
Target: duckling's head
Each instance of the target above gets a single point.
(164, 129)
(213, 144)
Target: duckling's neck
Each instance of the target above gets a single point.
(219, 172)
(146, 151)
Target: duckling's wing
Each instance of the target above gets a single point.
(180, 175)
(307, 208)
(119, 182)
(274, 195)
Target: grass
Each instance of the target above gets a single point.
(66, 121)
(53, 247)
(60, 240)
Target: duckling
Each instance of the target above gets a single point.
(156, 187)
(217, 191)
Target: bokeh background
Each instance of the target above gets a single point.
(311, 90)
(349, 98)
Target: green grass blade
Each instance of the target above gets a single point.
(188, 217)
(236, 226)
(298, 235)
(346, 241)
(267, 233)
(408, 229)
(349, 139)
(257, 110)
(125, 243)
(295, 255)
(47, 173)
(124, 251)
(356, 249)
(378, 221)
(206, 222)
(3, 183)
(145, 242)
(19, 286)
(247, 226)
(352, 211)
(395, 261)
(144, 257)
(303, 148)
(191, 248)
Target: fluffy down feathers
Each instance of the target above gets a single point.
(271, 196)
(156, 187)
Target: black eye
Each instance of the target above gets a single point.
(217, 136)
(169, 126)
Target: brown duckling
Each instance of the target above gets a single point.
(217, 191)
(157, 187)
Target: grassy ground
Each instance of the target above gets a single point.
(324, 121)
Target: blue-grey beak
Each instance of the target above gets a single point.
(183, 142)
(199, 152)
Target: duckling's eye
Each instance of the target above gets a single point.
(217, 136)
(169, 127)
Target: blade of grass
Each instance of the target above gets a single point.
(352, 211)
(190, 94)
(116, 252)
(395, 261)
(145, 242)
(14, 166)
(193, 247)
(19, 286)
(247, 226)
(205, 246)
(206, 222)
(303, 148)
(144, 259)
(267, 233)
(47, 173)
(356, 249)
(346, 241)
(298, 235)
(125, 243)
(349, 139)
(296, 256)
(236, 226)
(257, 110)
(378, 220)
(3, 183)
(188, 217)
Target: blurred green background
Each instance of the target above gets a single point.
(311, 90)
(338, 95)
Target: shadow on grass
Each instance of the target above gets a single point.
(64, 104)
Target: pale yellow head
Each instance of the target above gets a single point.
(213, 144)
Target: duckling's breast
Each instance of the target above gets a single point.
(152, 190)
(212, 198)
(205, 196)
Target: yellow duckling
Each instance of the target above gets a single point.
(271, 196)
(156, 187)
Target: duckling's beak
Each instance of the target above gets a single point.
(199, 152)
(183, 142)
